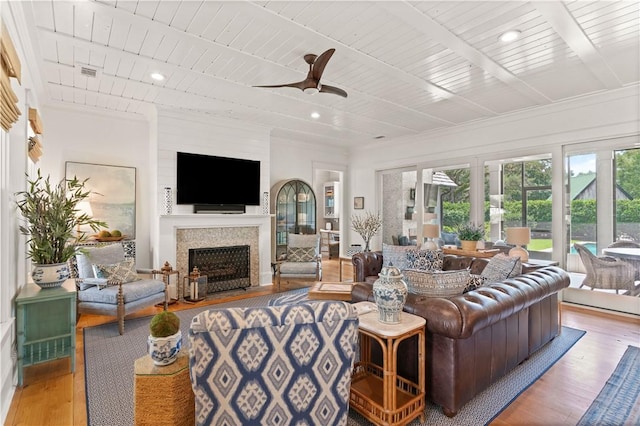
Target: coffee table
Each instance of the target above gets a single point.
(331, 291)
(379, 393)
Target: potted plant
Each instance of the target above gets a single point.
(165, 338)
(367, 226)
(51, 215)
(469, 235)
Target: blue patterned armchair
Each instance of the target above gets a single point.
(277, 365)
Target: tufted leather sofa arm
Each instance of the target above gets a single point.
(366, 264)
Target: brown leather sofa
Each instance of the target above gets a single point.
(475, 338)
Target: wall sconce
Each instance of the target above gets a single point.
(519, 236)
(430, 231)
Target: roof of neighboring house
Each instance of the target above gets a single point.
(580, 182)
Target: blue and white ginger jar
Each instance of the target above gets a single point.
(390, 293)
(164, 350)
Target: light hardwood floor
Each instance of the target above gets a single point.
(51, 395)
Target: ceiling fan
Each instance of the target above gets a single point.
(311, 84)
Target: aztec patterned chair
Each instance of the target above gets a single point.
(276, 365)
(109, 284)
(302, 261)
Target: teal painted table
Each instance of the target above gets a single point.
(46, 325)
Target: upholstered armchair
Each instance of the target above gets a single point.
(605, 272)
(108, 284)
(288, 364)
(302, 261)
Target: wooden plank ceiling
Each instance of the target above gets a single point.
(408, 67)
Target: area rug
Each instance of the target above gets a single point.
(110, 357)
(618, 403)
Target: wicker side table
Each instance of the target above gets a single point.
(163, 394)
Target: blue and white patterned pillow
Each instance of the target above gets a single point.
(501, 267)
(474, 282)
(395, 255)
(425, 260)
(436, 283)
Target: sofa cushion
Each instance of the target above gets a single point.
(131, 291)
(501, 267)
(436, 283)
(426, 260)
(395, 255)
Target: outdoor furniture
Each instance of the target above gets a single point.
(288, 364)
(118, 290)
(605, 272)
(624, 244)
(302, 261)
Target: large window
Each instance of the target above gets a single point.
(518, 194)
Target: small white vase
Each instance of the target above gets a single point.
(50, 275)
(164, 350)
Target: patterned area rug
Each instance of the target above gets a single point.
(109, 369)
(618, 403)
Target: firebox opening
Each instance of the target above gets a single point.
(226, 268)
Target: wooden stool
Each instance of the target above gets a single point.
(163, 394)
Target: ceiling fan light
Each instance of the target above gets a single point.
(509, 36)
(310, 90)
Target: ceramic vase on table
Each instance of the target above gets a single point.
(50, 275)
(390, 293)
(164, 350)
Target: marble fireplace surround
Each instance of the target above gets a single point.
(179, 233)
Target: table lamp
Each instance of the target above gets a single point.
(519, 236)
(430, 231)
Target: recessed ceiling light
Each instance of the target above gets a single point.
(509, 36)
(157, 76)
(315, 115)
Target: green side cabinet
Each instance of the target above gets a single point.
(46, 325)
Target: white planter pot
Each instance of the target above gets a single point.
(164, 350)
(51, 275)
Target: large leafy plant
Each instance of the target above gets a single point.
(51, 215)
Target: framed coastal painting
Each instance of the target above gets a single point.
(113, 194)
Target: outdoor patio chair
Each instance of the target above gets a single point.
(605, 272)
(624, 244)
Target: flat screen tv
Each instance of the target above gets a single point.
(211, 180)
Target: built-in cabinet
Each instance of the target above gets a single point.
(293, 204)
(331, 202)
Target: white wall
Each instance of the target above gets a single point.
(86, 136)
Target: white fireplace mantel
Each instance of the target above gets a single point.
(169, 224)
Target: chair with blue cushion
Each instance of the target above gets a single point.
(109, 284)
(276, 365)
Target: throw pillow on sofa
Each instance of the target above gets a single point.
(426, 260)
(436, 283)
(501, 267)
(474, 282)
(124, 271)
(395, 255)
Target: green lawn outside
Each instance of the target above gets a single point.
(539, 244)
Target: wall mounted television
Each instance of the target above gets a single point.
(216, 182)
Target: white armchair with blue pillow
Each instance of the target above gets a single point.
(109, 284)
(302, 261)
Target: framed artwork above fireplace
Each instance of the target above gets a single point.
(113, 197)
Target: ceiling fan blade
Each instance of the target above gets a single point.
(324, 88)
(320, 63)
(298, 85)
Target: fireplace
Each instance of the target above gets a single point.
(226, 268)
